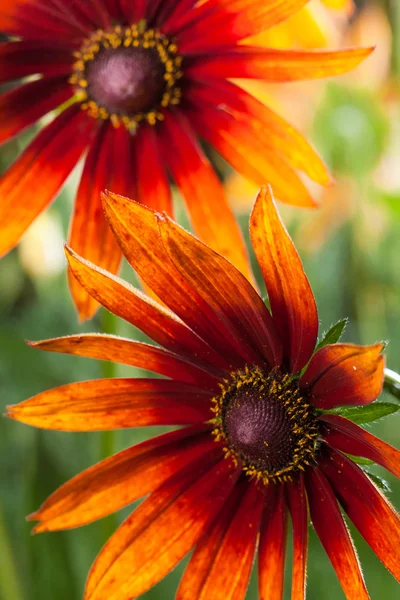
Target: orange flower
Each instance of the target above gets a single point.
(136, 83)
(257, 444)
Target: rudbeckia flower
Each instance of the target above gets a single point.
(257, 441)
(133, 85)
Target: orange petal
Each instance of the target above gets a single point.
(344, 374)
(332, 531)
(221, 563)
(266, 125)
(367, 507)
(224, 22)
(297, 502)
(26, 104)
(34, 179)
(280, 65)
(211, 216)
(90, 234)
(292, 302)
(154, 188)
(137, 230)
(252, 156)
(226, 291)
(154, 319)
(114, 404)
(162, 530)
(135, 354)
(121, 479)
(272, 551)
(352, 439)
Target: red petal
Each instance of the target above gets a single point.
(212, 217)
(155, 320)
(24, 105)
(221, 563)
(161, 531)
(114, 404)
(271, 554)
(255, 157)
(352, 439)
(332, 531)
(344, 374)
(222, 22)
(90, 234)
(297, 501)
(371, 513)
(121, 479)
(30, 57)
(292, 302)
(154, 189)
(137, 230)
(227, 292)
(135, 354)
(278, 65)
(37, 175)
(266, 125)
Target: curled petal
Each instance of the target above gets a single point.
(371, 513)
(344, 374)
(113, 404)
(292, 302)
(162, 530)
(121, 479)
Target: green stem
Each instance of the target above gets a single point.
(392, 383)
(107, 438)
(9, 584)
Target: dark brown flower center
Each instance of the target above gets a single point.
(127, 75)
(266, 424)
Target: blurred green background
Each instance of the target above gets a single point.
(350, 248)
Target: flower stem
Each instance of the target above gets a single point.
(107, 438)
(392, 383)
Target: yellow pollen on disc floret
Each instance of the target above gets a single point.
(135, 36)
(298, 414)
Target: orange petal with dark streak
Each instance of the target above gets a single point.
(121, 479)
(353, 439)
(272, 550)
(227, 292)
(371, 513)
(129, 303)
(162, 530)
(332, 531)
(298, 507)
(344, 374)
(221, 563)
(135, 354)
(292, 302)
(114, 404)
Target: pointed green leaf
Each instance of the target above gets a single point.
(367, 413)
(379, 482)
(359, 460)
(333, 335)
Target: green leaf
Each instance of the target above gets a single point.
(333, 335)
(359, 460)
(366, 414)
(379, 482)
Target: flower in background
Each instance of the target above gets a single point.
(260, 439)
(135, 84)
